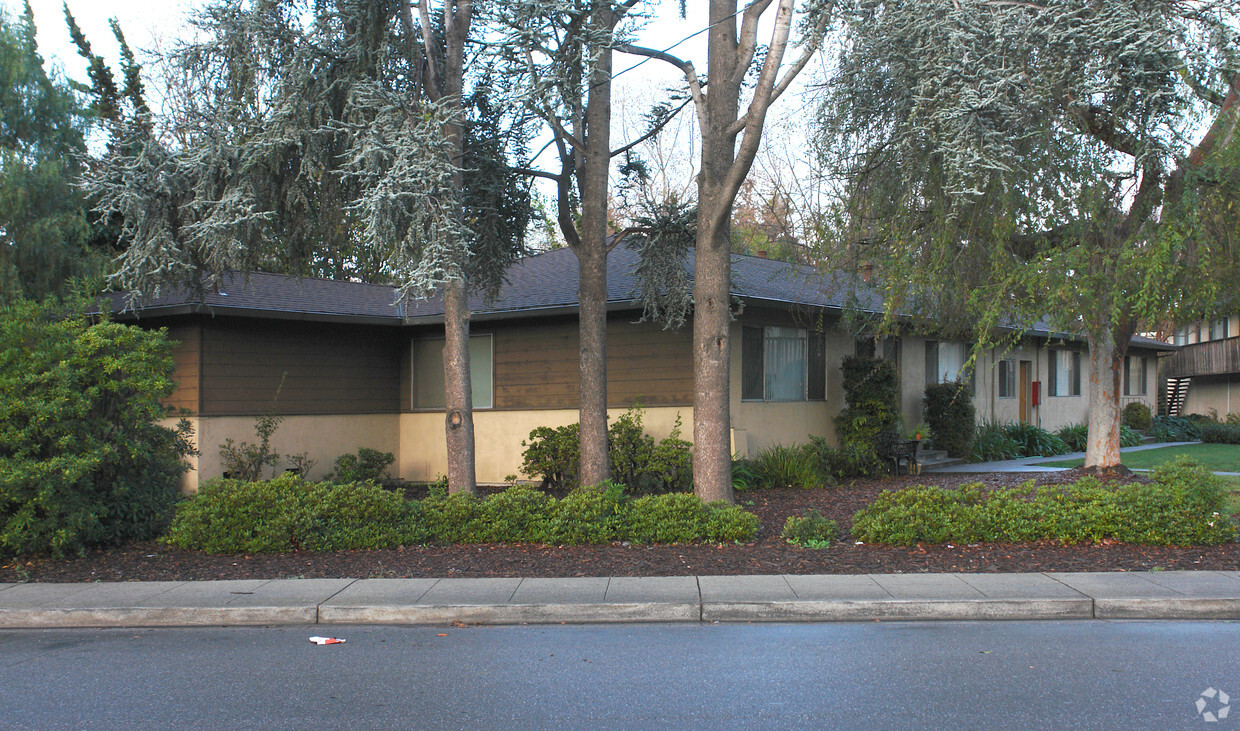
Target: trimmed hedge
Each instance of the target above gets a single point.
(1184, 505)
(288, 513)
(1220, 433)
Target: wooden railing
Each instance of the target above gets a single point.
(1206, 359)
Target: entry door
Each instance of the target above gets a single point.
(1026, 387)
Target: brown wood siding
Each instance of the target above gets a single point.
(325, 368)
(536, 365)
(1213, 357)
(186, 359)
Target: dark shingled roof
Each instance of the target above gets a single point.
(537, 285)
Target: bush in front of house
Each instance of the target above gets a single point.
(850, 459)
(991, 443)
(786, 466)
(1136, 415)
(1182, 506)
(366, 465)
(1034, 441)
(950, 416)
(288, 513)
(871, 398)
(1174, 429)
(83, 462)
(1076, 436)
(812, 530)
(1220, 433)
(553, 454)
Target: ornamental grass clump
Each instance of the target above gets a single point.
(1182, 506)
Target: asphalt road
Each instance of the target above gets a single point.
(1054, 675)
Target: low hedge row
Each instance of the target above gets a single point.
(1184, 505)
(1220, 433)
(287, 513)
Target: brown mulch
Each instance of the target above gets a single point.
(768, 554)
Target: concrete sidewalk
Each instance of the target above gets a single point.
(820, 598)
(1038, 464)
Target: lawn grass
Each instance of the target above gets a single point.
(1215, 457)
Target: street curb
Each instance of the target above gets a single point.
(1167, 608)
(156, 617)
(512, 613)
(898, 609)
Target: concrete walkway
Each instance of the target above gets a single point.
(1111, 595)
(1037, 464)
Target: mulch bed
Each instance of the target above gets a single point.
(768, 554)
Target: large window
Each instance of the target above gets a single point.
(1007, 378)
(1064, 375)
(1134, 376)
(782, 364)
(428, 385)
(945, 362)
(1218, 328)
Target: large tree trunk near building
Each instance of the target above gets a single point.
(458, 388)
(712, 419)
(591, 250)
(1107, 348)
(458, 396)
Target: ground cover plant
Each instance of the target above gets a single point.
(1183, 505)
(812, 530)
(993, 442)
(1214, 457)
(288, 513)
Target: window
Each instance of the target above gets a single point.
(1181, 336)
(945, 362)
(1007, 378)
(1064, 376)
(428, 385)
(1134, 376)
(782, 364)
(1218, 328)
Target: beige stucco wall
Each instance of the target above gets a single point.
(1220, 394)
(324, 437)
(498, 436)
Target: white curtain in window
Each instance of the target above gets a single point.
(786, 358)
(952, 357)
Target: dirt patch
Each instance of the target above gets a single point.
(768, 554)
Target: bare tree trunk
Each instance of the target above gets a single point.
(458, 396)
(1107, 349)
(591, 251)
(458, 388)
(712, 418)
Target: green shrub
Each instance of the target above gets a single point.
(812, 530)
(683, 518)
(367, 465)
(949, 413)
(83, 462)
(1220, 434)
(781, 466)
(451, 518)
(991, 443)
(1174, 429)
(287, 513)
(1128, 437)
(851, 459)
(871, 398)
(1184, 505)
(743, 477)
(588, 515)
(1136, 415)
(516, 515)
(1076, 436)
(1034, 441)
(1233, 418)
(554, 455)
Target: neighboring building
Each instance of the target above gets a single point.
(1203, 375)
(353, 370)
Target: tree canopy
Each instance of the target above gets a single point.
(1023, 160)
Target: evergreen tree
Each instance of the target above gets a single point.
(1012, 160)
